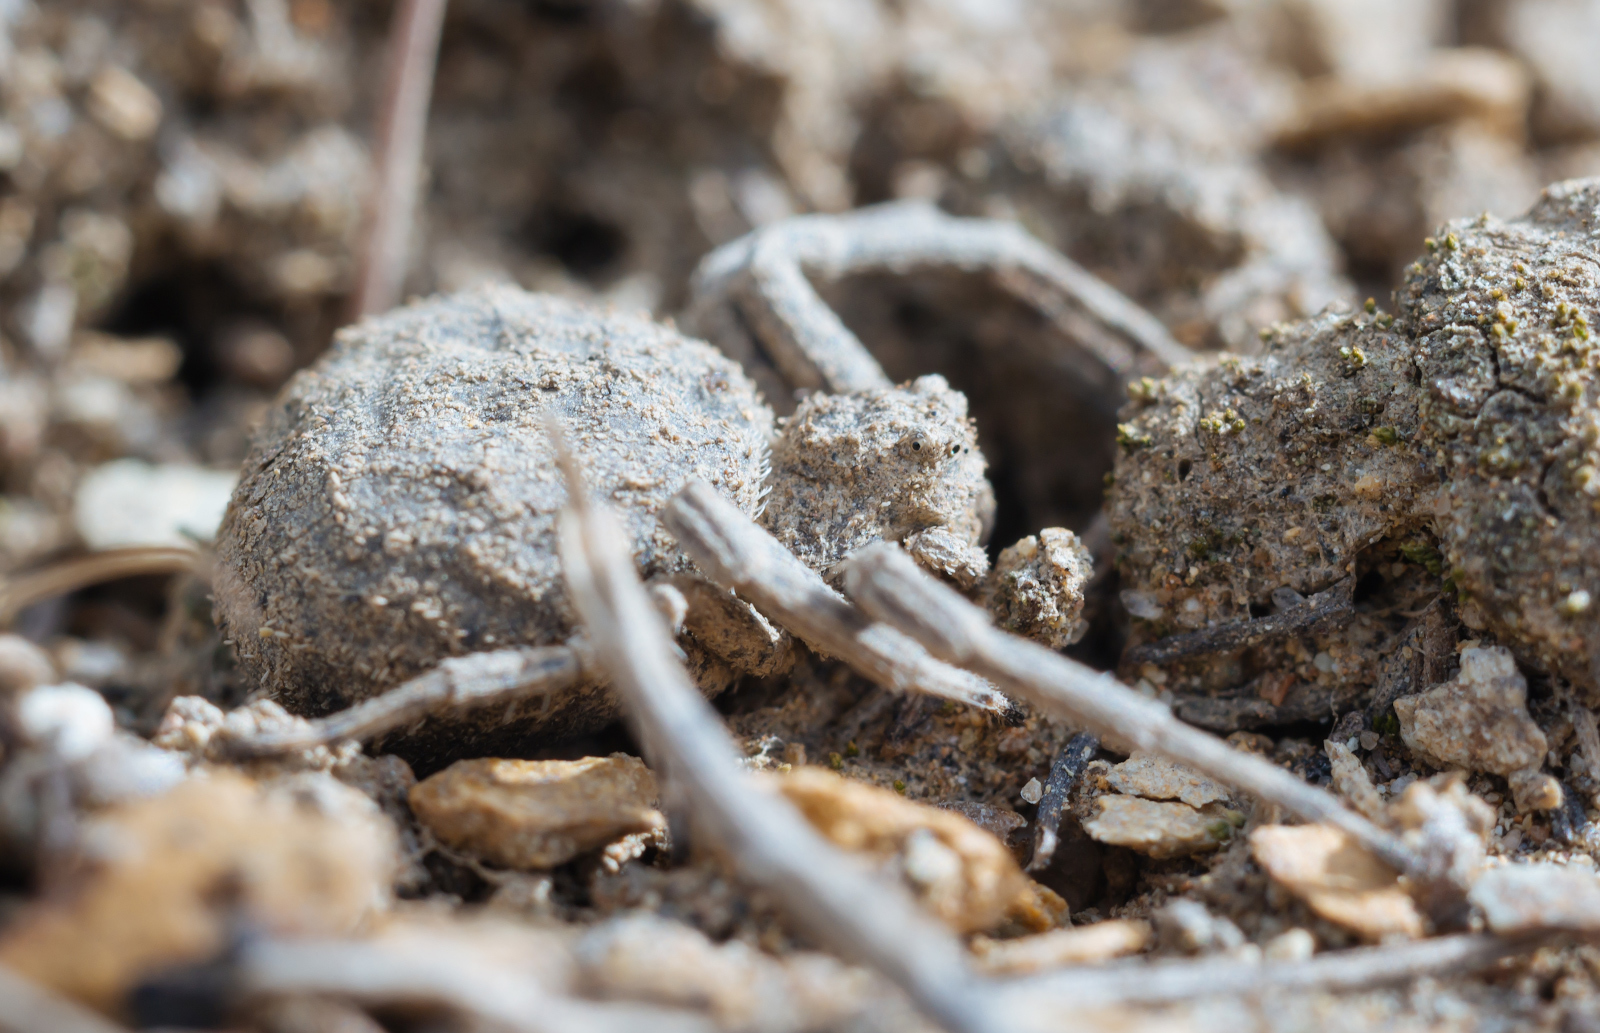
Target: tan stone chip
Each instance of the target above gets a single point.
(1337, 878)
(958, 871)
(1156, 778)
(1159, 828)
(537, 813)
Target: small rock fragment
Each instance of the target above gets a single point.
(1351, 781)
(1037, 587)
(1156, 778)
(163, 882)
(1158, 828)
(1478, 721)
(127, 502)
(1290, 946)
(962, 874)
(1185, 925)
(1084, 945)
(1533, 790)
(1526, 898)
(1338, 878)
(1033, 792)
(537, 813)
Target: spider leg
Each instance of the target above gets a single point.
(754, 296)
(741, 556)
(479, 679)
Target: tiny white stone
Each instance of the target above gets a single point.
(1033, 792)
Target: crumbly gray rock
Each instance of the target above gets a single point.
(886, 465)
(1037, 587)
(1470, 427)
(399, 505)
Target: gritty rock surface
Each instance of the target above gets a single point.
(537, 813)
(959, 872)
(1157, 828)
(399, 505)
(164, 882)
(887, 465)
(1037, 586)
(1478, 721)
(1338, 878)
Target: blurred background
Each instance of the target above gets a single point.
(183, 187)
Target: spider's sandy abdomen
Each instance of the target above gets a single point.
(399, 505)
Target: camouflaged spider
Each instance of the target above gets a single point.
(396, 518)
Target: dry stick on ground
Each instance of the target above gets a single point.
(885, 582)
(1064, 774)
(20, 592)
(26, 1007)
(764, 277)
(1165, 982)
(379, 974)
(413, 51)
(1321, 610)
(738, 555)
(771, 845)
(459, 683)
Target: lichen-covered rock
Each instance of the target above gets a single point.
(1037, 585)
(399, 505)
(166, 881)
(1468, 425)
(537, 813)
(1478, 721)
(959, 872)
(882, 465)
(1338, 878)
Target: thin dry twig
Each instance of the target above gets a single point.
(737, 554)
(19, 593)
(764, 277)
(767, 840)
(457, 684)
(413, 51)
(391, 975)
(887, 584)
(27, 1007)
(1360, 968)
(1064, 774)
(1320, 611)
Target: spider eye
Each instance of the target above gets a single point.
(916, 446)
(955, 450)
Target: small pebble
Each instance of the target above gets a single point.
(1033, 792)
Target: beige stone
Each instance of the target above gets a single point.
(1158, 828)
(1533, 790)
(23, 666)
(1156, 778)
(1528, 898)
(1337, 878)
(958, 871)
(537, 813)
(1351, 781)
(1478, 721)
(1084, 945)
(163, 882)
